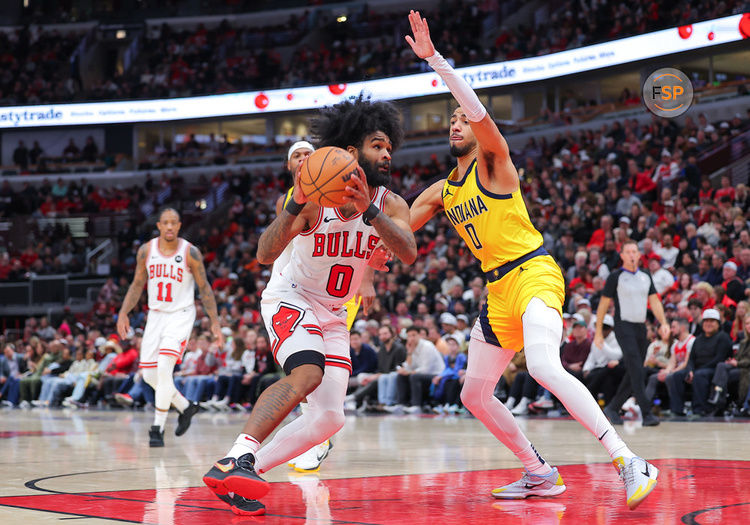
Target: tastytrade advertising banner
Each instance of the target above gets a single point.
(632, 49)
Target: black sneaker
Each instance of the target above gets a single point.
(613, 416)
(650, 420)
(243, 506)
(238, 476)
(183, 420)
(155, 436)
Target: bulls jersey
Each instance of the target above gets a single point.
(327, 262)
(171, 286)
(681, 350)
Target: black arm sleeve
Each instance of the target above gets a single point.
(610, 287)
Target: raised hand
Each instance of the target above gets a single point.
(421, 44)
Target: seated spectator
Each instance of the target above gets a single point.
(709, 349)
(423, 363)
(229, 375)
(91, 378)
(196, 384)
(364, 360)
(31, 384)
(678, 355)
(12, 367)
(663, 280)
(731, 371)
(602, 370)
(575, 352)
(51, 376)
(138, 394)
(446, 386)
(118, 371)
(391, 354)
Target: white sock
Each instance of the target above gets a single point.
(160, 418)
(242, 445)
(180, 402)
(533, 462)
(304, 407)
(615, 445)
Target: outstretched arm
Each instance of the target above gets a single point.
(195, 262)
(488, 135)
(134, 292)
(427, 205)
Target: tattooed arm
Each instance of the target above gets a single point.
(195, 262)
(134, 292)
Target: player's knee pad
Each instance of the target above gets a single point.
(326, 424)
(475, 393)
(150, 377)
(165, 369)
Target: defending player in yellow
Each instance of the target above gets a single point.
(483, 201)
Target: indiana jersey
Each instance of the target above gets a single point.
(496, 227)
(328, 261)
(171, 286)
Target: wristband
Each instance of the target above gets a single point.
(292, 207)
(371, 212)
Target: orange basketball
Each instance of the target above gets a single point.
(325, 175)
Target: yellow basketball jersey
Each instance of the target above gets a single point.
(496, 227)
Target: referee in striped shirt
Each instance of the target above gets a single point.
(632, 291)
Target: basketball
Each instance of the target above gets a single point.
(326, 174)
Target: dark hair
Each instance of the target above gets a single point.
(629, 241)
(355, 332)
(169, 208)
(412, 328)
(348, 123)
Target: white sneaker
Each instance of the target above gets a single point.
(413, 410)
(24, 404)
(310, 461)
(393, 408)
(639, 477)
(522, 408)
(510, 403)
(39, 403)
(350, 405)
(532, 485)
(452, 409)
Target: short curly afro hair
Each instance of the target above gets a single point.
(348, 123)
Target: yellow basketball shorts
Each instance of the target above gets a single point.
(499, 322)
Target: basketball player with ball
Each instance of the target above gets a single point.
(339, 210)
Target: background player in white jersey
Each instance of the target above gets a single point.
(304, 312)
(172, 267)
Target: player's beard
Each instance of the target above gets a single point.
(460, 151)
(374, 176)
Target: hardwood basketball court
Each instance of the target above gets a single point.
(95, 467)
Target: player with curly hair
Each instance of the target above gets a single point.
(304, 309)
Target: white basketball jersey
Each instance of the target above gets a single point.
(171, 286)
(328, 261)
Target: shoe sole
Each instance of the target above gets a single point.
(156, 445)
(240, 512)
(632, 505)
(246, 487)
(554, 491)
(215, 485)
